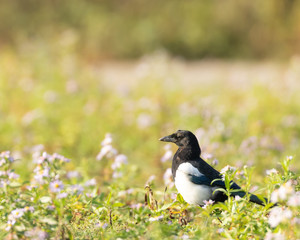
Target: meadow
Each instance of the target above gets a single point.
(81, 158)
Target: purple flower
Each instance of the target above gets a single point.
(91, 182)
(56, 186)
(62, 195)
(207, 203)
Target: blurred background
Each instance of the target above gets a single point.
(70, 72)
(130, 29)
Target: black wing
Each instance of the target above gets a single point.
(203, 180)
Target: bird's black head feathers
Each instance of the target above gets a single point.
(183, 139)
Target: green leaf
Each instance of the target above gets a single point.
(118, 204)
(166, 206)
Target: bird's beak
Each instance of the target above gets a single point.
(167, 139)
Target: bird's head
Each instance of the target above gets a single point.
(182, 138)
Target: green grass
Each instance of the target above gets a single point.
(50, 96)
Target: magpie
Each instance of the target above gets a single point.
(194, 178)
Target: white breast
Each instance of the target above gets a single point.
(191, 193)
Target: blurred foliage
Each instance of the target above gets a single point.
(128, 29)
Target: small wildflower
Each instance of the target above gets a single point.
(136, 206)
(91, 182)
(36, 234)
(153, 219)
(73, 174)
(220, 230)
(51, 207)
(168, 178)
(78, 189)
(227, 169)
(56, 186)
(107, 140)
(150, 179)
(185, 236)
(215, 162)
(274, 236)
(119, 160)
(117, 175)
(13, 175)
(10, 223)
(207, 203)
(28, 209)
(144, 120)
(294, 200)
(271, 171)
(206, 156)
(106, 151)
(17, 213)
(237, 198)
(105, 225)
(62, 195)
(168, 154)
(283, 192)
(2, 162)
(278, 215)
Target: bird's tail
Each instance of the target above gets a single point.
(253, 198)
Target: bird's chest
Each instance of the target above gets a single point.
(192, 193)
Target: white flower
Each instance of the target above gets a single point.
(17, 213)
(13, 175)
(278, 215)
(271, 171)
(207, 203)
(117, 174)
(227, 169)
(206, 155)
(73, 174)
(36, 234)
(4, 183)
(144, 120)
(78, 189)
(274, 236)
(10, 223)
(2, 162)
(220, 230)
(153, 219)
(294, 200)
(283, 192)
(62, 195)
(107, 140)
(150, 179)
(56, 186)
(91, 182)
(119, 160)
(106, 151)
(168, 178)
(168, 154)
(28, 209)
